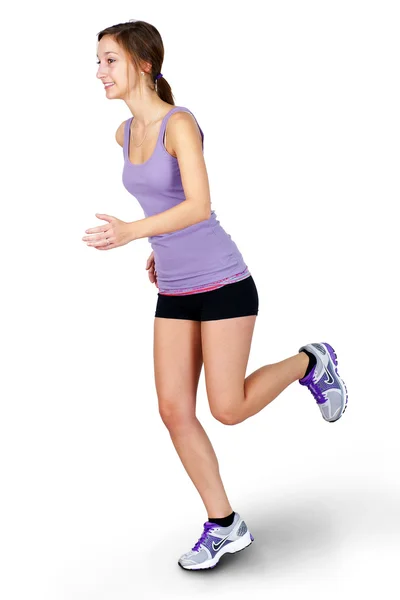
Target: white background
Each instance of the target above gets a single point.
(299, 104)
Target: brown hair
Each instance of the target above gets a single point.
(142, 42)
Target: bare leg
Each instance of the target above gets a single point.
(199, 459)
(265, 384)
(232, 396)
(177, 364)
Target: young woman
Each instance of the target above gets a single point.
(207, 301)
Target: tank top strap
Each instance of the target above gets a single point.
(126, 136)
(165, 120)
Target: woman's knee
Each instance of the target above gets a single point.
(175, 416)
(226, 408)
(226, 416)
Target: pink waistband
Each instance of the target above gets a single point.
(210, 286)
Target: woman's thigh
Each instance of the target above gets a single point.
(226, 347)
(178, 361)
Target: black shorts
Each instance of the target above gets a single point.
(238, 299)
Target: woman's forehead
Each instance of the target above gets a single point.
(108, 46)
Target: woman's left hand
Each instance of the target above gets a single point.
(112, 234)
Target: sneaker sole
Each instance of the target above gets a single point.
(334, 359)
(237, 546)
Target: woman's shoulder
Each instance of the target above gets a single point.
(182, 114)
(119, 134)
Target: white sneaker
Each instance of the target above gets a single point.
(325, 383)
(214, 542)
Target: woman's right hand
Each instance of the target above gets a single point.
(150, 266)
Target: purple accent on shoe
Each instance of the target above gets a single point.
(334, 358)
(331, 352)
(211, 540)
(308, 378)
(316, 391)
(251, 537)
(325, 382)
(328, 379)
(208, 526)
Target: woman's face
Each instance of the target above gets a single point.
(113, 67)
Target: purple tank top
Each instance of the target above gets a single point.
(197, 258)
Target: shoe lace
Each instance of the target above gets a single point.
(207, 528)
(316, 391)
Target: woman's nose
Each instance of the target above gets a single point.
(100, 72)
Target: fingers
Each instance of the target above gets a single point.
(150, 261)
(150, 267)
(153, 275)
